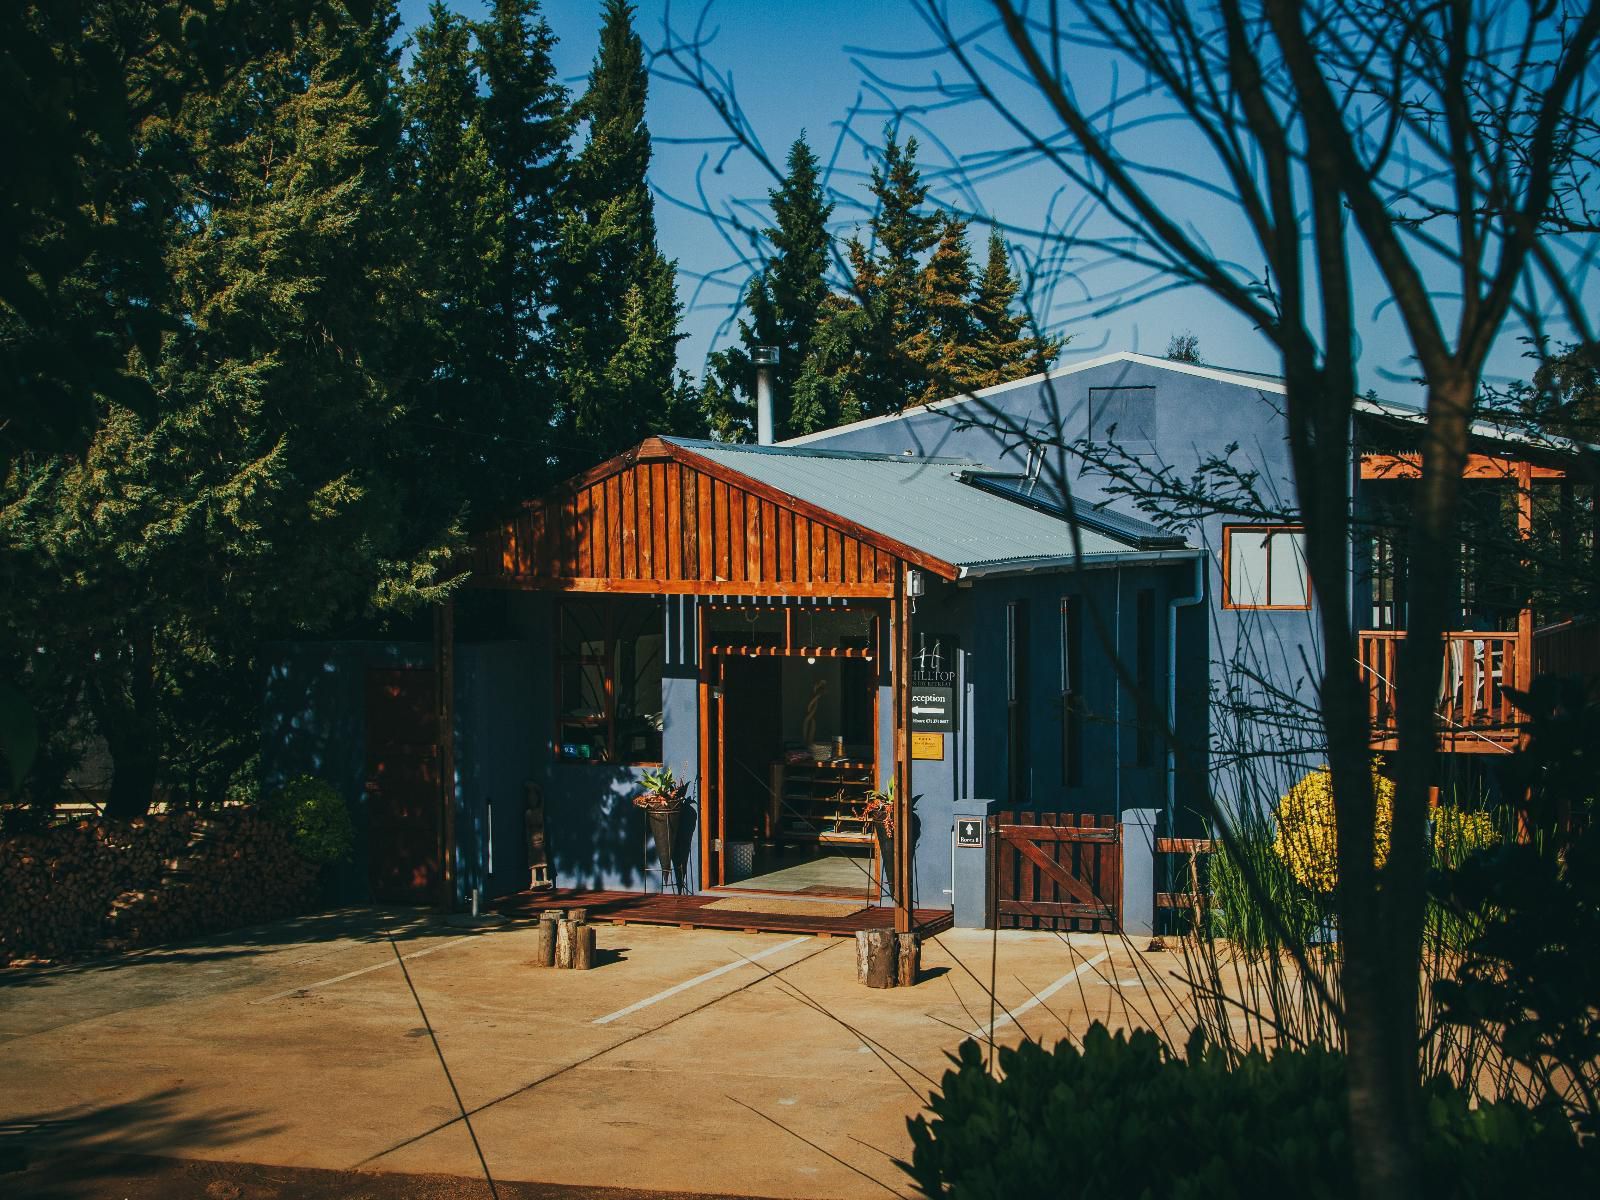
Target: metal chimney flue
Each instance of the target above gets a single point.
(765, 358)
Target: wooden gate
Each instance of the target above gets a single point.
(1055, 871)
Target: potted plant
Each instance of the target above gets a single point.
(663, 801)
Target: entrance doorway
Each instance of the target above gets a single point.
(791, 753)
(403, 797)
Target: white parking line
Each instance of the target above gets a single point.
(984, 1031)
(697, 980)
(322, 983)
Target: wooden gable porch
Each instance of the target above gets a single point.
(661, 519)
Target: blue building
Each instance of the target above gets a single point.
(963, 605)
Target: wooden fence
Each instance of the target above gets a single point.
(1055, 871)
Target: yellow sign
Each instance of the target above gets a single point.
(927, 745)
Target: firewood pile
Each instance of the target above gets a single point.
(96, 885)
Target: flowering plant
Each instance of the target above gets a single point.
(880, 808)
(1306, 840)
(662, 792)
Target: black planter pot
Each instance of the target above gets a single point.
(885, 855)
(666, 824)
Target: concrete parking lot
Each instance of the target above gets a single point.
(688, 1061)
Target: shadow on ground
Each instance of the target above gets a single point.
(355, 925)
(79, 1136)
(136, 1177)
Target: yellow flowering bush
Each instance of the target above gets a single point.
(1305, 838)
(1457, 834)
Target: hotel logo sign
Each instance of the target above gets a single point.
(933, 679)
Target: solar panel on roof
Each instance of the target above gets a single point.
(1045, 496)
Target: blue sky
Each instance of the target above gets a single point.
(809, 65)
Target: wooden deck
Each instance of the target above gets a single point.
(691, 912)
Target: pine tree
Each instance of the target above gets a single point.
(465, 397)
(527, 124)
(268, 494)
(785, 304)
(1005, 348)
(943, 346)
(617, 322)
(880, 375)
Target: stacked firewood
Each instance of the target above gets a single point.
(96, 885)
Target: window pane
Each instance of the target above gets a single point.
(637, 679)
(1247, 566)
(1288, 567)
(583, 690)
(583, 630)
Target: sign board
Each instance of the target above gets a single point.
(933, 709)
(969, 831)
(933, 682)
(927, 745)
(933, 658)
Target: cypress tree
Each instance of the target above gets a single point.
(527, 124)
(785, 303)
(464, 398)
(1005, 348)
(617, 322)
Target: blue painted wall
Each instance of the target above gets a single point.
(314, 724)
(1256, 657)
(975, 774)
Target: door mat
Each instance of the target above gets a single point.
(777, 906)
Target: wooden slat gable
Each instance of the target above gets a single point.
(661, 518)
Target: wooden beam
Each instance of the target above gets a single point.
(683, 587)
(1479, 466)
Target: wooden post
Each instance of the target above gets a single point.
(705, 747)
(583, 948)
(1525, 618)
(908, 960)
(1525, 532)
(902, 754)
(444, 652)
(566, 939)
(722, 772)
(877, 961)
(544, 948)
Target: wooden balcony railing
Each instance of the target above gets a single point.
(1475, 714)
(1569, 648)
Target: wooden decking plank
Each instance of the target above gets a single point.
(690, 912)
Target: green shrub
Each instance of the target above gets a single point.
(1122, 1117)
(317, 818)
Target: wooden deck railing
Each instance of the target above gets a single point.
(1475, 714)
(1569, 648)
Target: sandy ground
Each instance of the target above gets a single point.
(686, 1062)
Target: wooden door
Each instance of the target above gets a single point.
(403, 794)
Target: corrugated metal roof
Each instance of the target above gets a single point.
(921, 502)
(1049, 498)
